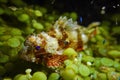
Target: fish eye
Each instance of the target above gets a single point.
(66, 42)
(37, 47)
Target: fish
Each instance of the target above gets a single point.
(47, 47)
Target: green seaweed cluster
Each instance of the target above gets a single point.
(100, 61)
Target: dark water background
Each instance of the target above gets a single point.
(89, 10)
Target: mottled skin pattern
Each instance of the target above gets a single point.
(48, 47)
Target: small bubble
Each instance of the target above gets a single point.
(92, 2)
(103, 7)
(118, 4)
(116, 21)
(53, 1)
(103, 10)
(114, 6)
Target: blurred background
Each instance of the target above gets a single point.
(89, 10)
